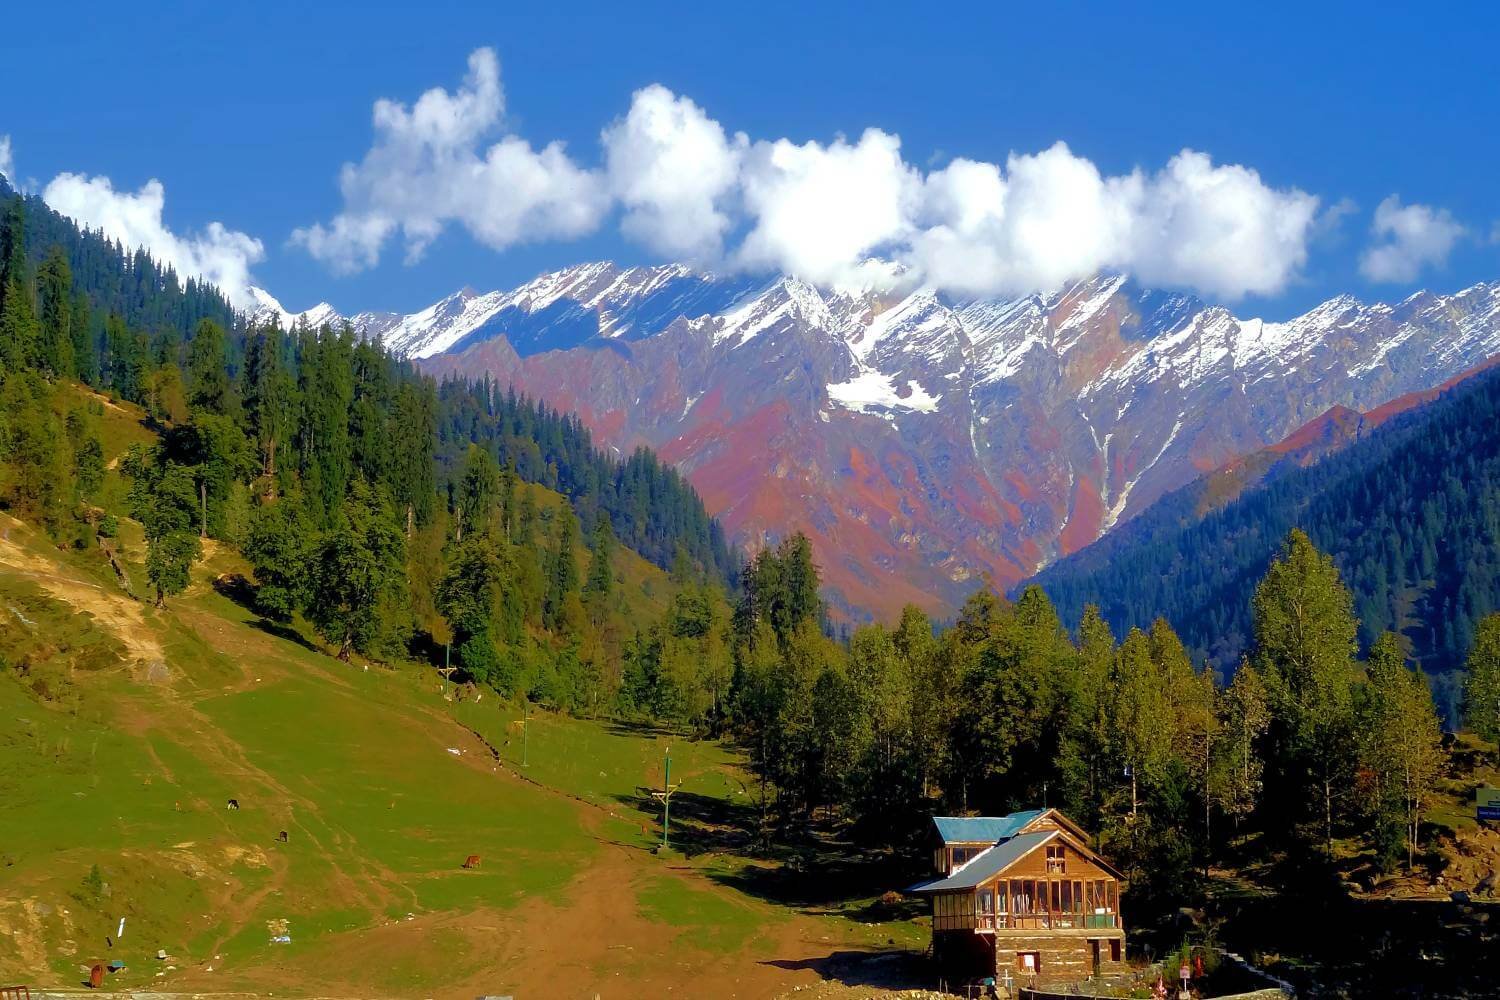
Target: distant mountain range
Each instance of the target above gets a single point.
(924, 441)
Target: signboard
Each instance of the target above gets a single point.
(1487, 804)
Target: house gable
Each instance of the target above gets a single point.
(1054, 853)
(1054, 819)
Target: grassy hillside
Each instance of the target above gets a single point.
(125, 731)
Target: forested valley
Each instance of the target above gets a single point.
(406, 519)
(1408, 512)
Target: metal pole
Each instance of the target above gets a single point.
(666, 801)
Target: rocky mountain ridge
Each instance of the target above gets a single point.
(923, 441)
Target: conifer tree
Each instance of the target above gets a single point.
(561, 568)
(1246, 716)
(208, 386)
(55, 294)
(356, 571)
(1482, 687)
(18, 324)
(1141, 717)
(1402, 738)
(601, 579)
(270, 407)
(164, 499)
(1305, 643)
(478, 492)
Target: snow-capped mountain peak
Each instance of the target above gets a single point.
(267, 309)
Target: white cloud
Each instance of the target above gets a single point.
(218, 254)
(1042, 220)
(1408, 238)
(688, 188)
(7, 161)
(818, 211)
(1220, 229)
(427, 170)
(1051, 217)
(674, 170)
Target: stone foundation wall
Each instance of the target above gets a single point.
(1064, 958)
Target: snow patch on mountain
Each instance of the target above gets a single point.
(871, 391)
(784, 300)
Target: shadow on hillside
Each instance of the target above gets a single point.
(701, 824)
(242, 592)
(238, 589)
(855, 884)
(893, 970)
(286, 632)
(626, 727)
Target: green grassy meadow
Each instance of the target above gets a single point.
(125, 731)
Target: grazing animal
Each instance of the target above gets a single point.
(282, 837)
(233, 804)
(472, 861)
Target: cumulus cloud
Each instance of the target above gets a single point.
(1408, 239)
(429, 168)
(675, 171)
(819, 211)
(1052, 216)
(1220, 229)
(218, 254)
(7, 161)
(1043, 219)
(831, 213)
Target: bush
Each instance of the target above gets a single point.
(94, 887)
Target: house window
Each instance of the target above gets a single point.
(1056, 863)
(963, 855)
(1029, 962)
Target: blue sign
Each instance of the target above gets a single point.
(1487, 804)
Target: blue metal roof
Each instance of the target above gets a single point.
(982, 829)
(987, 864)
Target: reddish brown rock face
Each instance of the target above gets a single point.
(924, 443)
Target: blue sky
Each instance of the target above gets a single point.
(245, 114)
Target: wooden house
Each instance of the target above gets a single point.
(1022, 894)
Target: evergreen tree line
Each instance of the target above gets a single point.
(119, 322)
(357, 487)
(653, 509)
(1309, 745)
(1411, 515)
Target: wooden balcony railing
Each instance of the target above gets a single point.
(1044, 921)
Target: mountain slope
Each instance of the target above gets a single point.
(924, 442)
(1410, 511)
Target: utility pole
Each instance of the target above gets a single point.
(665, 798)
(447, 670)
